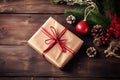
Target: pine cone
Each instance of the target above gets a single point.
(97, 31)
(70, 19)
(97, 41)
(91, 52)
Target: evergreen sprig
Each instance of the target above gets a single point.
(97, 16)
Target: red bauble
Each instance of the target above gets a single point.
(82, 27)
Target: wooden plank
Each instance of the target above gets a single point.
(19, 61)
(16, 29)
(39, 78)
(16, 78)
(31, 6)
(24, 61)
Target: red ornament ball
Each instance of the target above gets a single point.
(82, 27)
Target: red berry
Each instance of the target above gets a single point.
(103, 42)
(103, 38)
(106, 39)
(111, 29)
(108, 30)
(108, 35)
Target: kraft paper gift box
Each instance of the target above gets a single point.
(57, 44)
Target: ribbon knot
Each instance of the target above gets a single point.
(55, 38)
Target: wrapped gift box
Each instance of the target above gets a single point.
(57, 44)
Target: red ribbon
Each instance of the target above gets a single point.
(55, 39)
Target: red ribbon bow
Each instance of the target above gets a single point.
(55, 39)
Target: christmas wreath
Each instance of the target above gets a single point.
(100, 18)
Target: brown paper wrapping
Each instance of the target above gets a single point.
(54, 55)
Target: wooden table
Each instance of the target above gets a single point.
(19, 20)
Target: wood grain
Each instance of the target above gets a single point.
(31, 6)
(16, 29)
(34, 78)
(18, 61)
(24, 61)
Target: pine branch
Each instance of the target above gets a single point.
(109, 5)
(69, 2)
(95, 17)
(99, 3)
(78, 12)
(55, 1)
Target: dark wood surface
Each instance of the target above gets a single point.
(19, 20)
